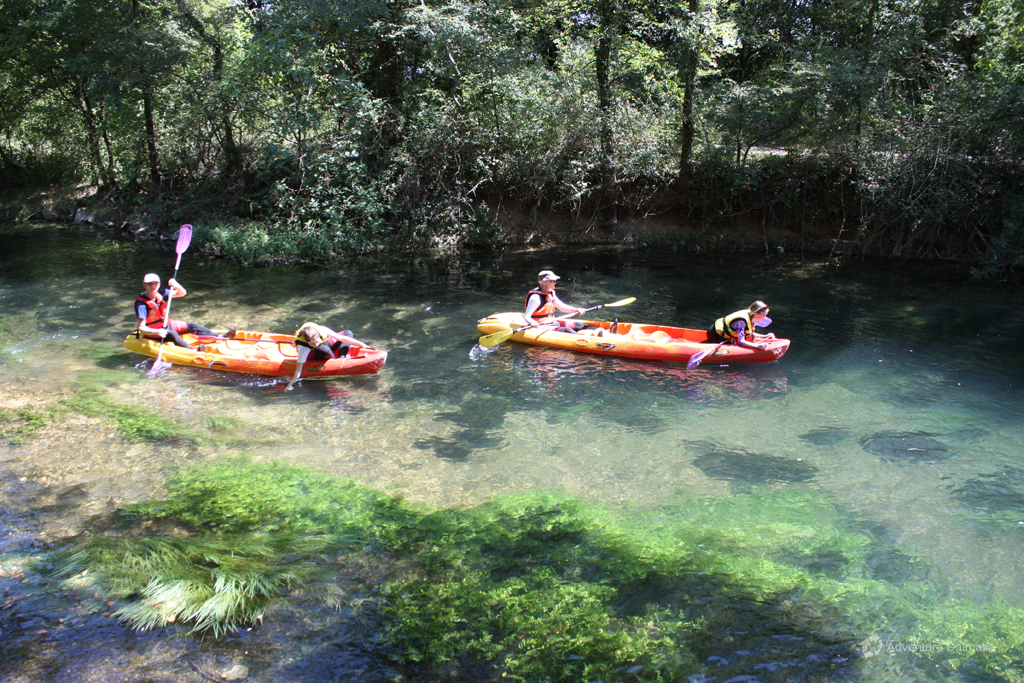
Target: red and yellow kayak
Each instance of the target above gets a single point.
(259, 353)
(634, 340)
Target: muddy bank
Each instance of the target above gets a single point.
(512, 225)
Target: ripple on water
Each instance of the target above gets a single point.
(908, 447)
(420, 391)
(479, 414)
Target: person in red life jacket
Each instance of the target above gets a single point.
(319, 343)
(151, 309)
(739, 327)
(542, 302)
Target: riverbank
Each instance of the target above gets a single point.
(508, 225)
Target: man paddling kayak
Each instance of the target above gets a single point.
(151, 309)
(738, 327)
(542, 302)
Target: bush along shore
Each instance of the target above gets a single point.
(287, 131)
(535, 587)
(776, 206)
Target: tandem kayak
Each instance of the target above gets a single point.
(634, 340)
(259, 353)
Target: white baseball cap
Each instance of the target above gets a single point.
(546, 275)
(151, 277)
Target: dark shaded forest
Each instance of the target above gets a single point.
(317, 128)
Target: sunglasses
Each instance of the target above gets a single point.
(150, 283)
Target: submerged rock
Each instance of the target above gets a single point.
(998, 491)
(905, 446)
(826, 436)
(753, 468)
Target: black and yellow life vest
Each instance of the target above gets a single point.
(723, 326)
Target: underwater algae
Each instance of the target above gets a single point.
(546, 586)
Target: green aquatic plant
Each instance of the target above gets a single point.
(213, 584)
(238, 495)
(535, 626)
(133, 422)
(546, 586)
(21, 424)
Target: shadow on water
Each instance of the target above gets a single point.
(480, 422)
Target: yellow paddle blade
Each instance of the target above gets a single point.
(495, 338)
(623, 302)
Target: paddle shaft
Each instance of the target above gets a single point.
(184, 239)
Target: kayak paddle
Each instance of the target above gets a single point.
(184, 239)
(697, 358)
(498, 337)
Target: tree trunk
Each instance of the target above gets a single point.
(154, 159)
(93, 133)
(232, 155)
(608, 200)
(147, 112)
(869, 39)
(687, 133)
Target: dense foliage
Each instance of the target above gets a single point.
(317, 127)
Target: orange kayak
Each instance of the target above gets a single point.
(259, 353)
(634, 340)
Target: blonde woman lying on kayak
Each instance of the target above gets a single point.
(321, 343)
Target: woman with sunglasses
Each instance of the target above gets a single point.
(739, 327)
(151, 309)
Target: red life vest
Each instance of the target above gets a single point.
(156, 309)
(547, 304)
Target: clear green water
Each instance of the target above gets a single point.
(900, 398)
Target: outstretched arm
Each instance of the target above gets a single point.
(562, 306)
(302, 353)
(741, 329)
(295, 377)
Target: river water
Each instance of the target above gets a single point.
(901, 395)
